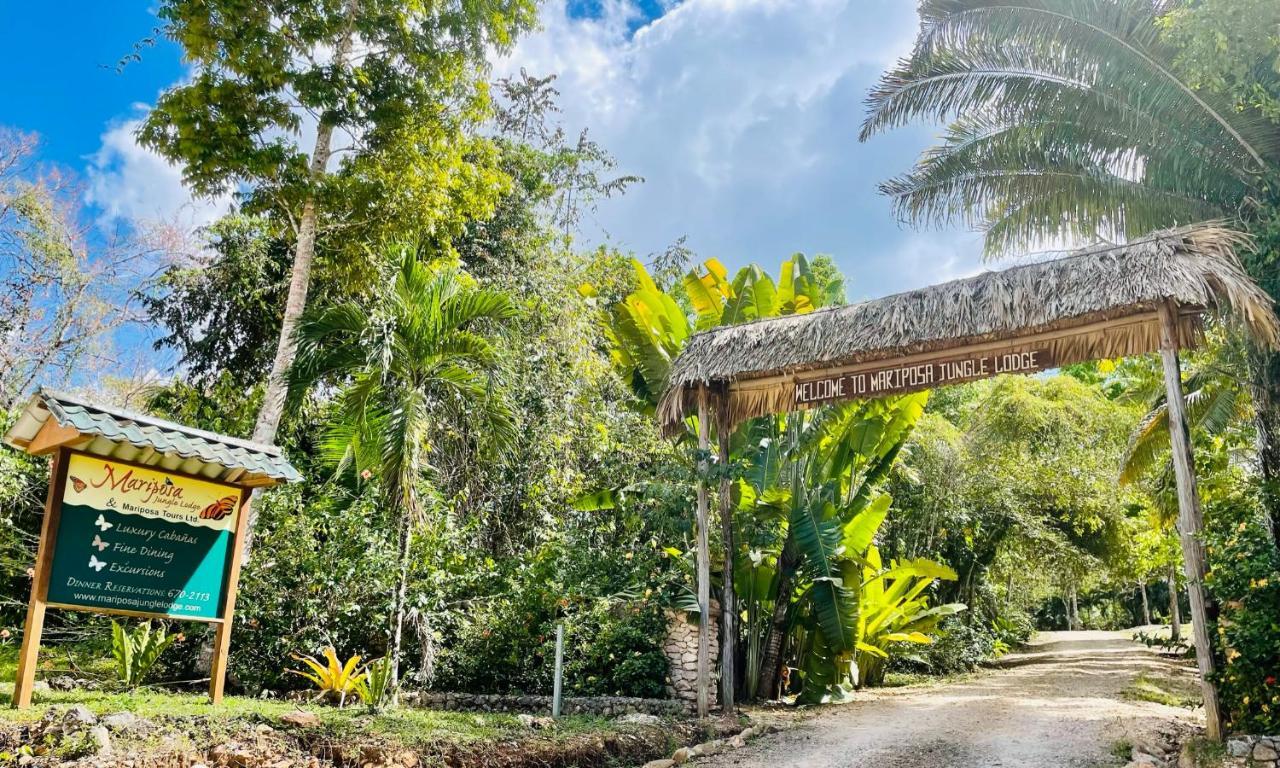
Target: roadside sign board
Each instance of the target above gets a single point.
(141, 540)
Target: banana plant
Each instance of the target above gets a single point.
(894, 611)
(819, 477)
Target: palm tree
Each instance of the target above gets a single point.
(1069, 120)
(414, 362)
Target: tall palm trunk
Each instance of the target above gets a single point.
(1175, 611)
(398, 606)
(1146, 606)
(1073, 610)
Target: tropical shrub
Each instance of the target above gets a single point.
(321, 575)
(136, 652)
(1244, 578)
(894, 611)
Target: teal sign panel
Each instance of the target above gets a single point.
(141, 540)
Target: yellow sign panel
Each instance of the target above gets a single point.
(93, 481)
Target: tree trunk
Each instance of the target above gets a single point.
(1266, 404)
(1073, 616)
(771, 664)
(304, 253)
(1175, 612)
(728, 601)
(398, 608)
(1146, 606)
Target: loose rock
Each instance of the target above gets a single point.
(300, 719)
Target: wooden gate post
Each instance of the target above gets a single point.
(704, 563)
(728, 603)
(1190, 519)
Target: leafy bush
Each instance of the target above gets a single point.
(1244, 577)
(319, 576)
(959, 647)
(136, 652)
(624, 656)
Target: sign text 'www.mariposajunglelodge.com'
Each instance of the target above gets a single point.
(139, 539)
(901, 378)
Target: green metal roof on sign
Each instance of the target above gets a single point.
(129, 436)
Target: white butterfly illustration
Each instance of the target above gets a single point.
(103, 524)
(99, 543)
(96, 564)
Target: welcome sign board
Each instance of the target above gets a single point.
(141, 540)
(900, 378)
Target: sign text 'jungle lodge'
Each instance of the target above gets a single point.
(900, 378)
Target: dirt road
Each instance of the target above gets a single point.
(1058, 704)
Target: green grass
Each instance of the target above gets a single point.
(920, 679)
(1169, 689)
(406, 726)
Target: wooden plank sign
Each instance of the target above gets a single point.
(142, 541)
(899, 378)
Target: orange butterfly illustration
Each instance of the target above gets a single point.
(219, 509)
(78, 484)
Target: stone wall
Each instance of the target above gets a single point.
(1258, 750)
(603, 706)
(681, 647)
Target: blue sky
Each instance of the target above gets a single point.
(742, 116)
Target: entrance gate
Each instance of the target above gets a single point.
(1097, 303)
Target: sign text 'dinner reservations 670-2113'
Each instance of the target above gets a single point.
(897, 378)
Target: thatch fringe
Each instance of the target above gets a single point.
(1196, 268)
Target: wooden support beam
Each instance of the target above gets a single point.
(222, 636)
(51, 437)
(728, 601)
(704, 563)
(33, 629)
(1190, 519)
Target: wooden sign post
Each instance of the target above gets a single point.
(144, 518)
(135, 540)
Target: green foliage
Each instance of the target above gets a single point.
(137, 651)
(419, 358)
(254, 68)
(323, 575)
(1069, 120)
(1244, 577)
(374, 685)
(612, 647)
(333, 679)
(222, 312)
(1229, 47)
(894, 611)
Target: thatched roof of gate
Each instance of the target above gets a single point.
(1195, 267)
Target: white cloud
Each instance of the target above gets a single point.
(742, 115)
(130, 183)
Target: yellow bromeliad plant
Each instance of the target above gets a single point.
(334, 680)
